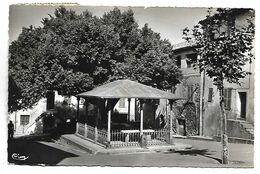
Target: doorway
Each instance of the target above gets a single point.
(242, 97)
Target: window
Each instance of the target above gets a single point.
(188, 63)
(178, 61)
(50, 100)
(67, 100)
(210, 96)
(190, 58)
(173, 89)
(24, 119)
(212, 35)
(227, 98)
(242, 97)
(122, 103)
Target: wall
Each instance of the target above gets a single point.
(237, 130)
(251, 95)
(33, 113)
(211, 113)
(124, 110)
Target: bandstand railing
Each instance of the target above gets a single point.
(81, 129)
(124, 138)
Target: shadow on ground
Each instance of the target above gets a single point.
(37, 153)
(195, 152)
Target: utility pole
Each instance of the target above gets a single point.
(202, 89)
(15, 117)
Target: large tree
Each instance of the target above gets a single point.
(72, 53)
(224, 48)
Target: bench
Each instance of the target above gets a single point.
(129, 132)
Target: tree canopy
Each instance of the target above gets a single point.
(73, 53)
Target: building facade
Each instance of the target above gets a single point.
(25, 120)
(239, 99)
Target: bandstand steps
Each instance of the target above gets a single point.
(78, 142)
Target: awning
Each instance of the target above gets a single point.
(127, 89)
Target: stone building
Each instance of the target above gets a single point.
(199, 89)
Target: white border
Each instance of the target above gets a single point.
(178, 3)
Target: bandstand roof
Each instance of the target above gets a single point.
(127, 89)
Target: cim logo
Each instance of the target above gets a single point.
(19, 157)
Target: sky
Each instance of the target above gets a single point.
(168, 21)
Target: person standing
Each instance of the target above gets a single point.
(10, 130)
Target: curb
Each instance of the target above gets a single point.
(111, 151)
(236, 140)
(126, 150)
(151, 149)
(216, 139)
(195, 138)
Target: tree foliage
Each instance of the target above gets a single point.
(72, 53)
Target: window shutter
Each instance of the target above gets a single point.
(227, 98)
(190, 91)
(210, 95)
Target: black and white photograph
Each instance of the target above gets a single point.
(131, 86)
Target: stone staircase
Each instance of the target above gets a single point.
(248, 128)
(20, 130)
(240, 129)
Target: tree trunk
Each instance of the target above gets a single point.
(223, 125)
